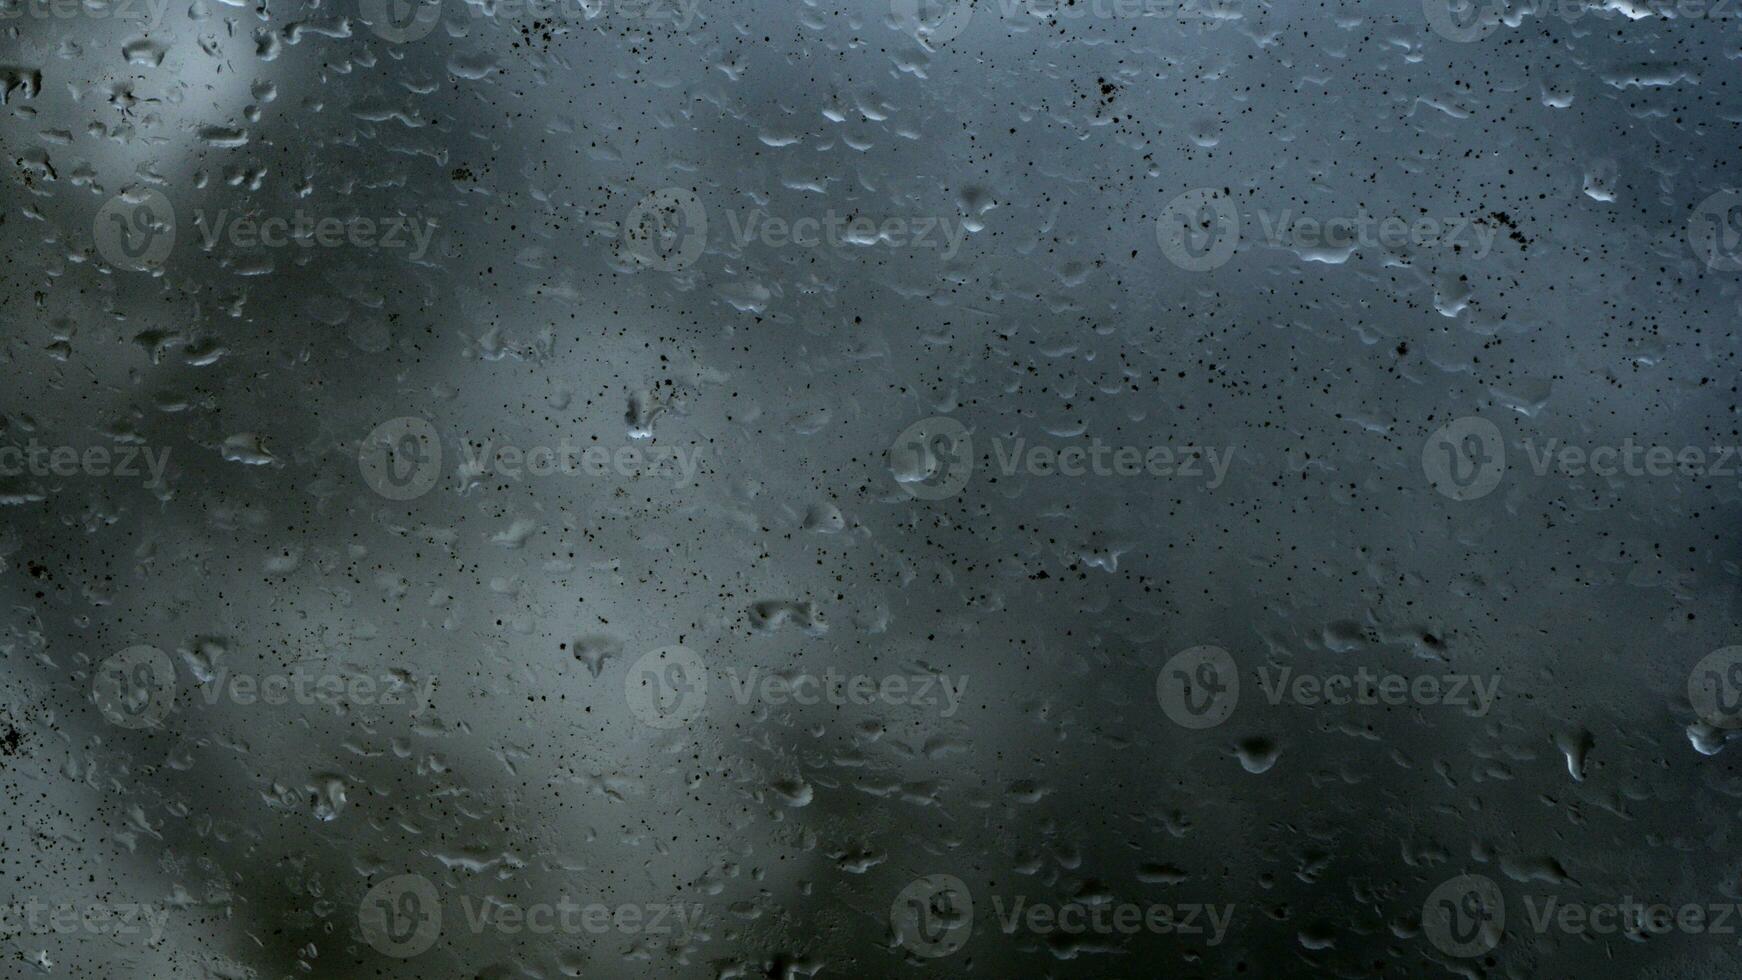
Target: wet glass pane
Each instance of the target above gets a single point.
(998, 488)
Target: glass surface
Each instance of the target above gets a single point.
(1009, 488)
